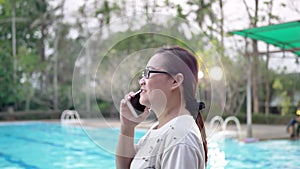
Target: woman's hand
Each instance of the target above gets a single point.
(127, 117)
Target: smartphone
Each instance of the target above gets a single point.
(134, 105)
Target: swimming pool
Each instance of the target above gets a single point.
(47, 146)
(272, 154)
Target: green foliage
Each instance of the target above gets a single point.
(285, 103)
(271, 119)
(7, 87)
(33, 115)
(105, 107)
(28, 61)
(285, 87)
(105, 11)
(13, 92)
(277, 85)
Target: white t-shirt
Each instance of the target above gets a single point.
(176, 145)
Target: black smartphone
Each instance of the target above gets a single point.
(135, 102)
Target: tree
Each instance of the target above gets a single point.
(255, 60)
(47, 15)
(270, 17)
(28, 64)
(7, 94)
(20, 35)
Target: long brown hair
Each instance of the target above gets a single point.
(189, 85)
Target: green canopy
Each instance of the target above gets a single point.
(286, 36)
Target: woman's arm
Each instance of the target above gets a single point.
(125, 148)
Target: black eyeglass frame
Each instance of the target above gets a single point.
(146, 73)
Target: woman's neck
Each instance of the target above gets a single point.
(171, 108)
(170, 113)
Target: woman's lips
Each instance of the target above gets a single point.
(143, 91)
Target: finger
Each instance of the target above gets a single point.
(123, 101)
(146, 113)
(131, 94)
(123, 106)
(127, 97)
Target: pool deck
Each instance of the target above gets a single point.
(259, 131)
(263, 132)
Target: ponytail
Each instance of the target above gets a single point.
(200, 123)
(196, 107)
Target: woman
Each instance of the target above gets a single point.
(178, 139)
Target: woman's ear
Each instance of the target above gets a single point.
(178, 80)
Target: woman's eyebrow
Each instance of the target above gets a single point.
(151, 67)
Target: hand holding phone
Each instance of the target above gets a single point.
(134, 104)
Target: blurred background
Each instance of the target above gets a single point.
(42, 41)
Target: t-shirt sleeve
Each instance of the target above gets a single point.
(136, 147)
(182, 156)
(140, 142)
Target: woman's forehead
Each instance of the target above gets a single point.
(157, 61)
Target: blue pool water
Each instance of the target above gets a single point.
(49, 146)
(273, 154)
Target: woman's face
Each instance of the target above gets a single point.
(156, 89)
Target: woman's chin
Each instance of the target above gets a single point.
(144, 103)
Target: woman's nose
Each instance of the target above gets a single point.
(142, 81)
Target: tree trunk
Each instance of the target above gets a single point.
(55, 85)
(255, 84)
(55, 65)
(241, 102)
(255, 66)
(221, 27)
(267, 78)
(87, 80)
(255, 61)
(14, 48)
(267, 99)
(28, 99)
(41, 49)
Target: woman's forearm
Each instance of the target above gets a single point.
(125, 148)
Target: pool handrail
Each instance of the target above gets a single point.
(232, 118)
(69, 116)
(214, 119)
(225, 123)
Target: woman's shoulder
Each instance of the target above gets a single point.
(183, 131)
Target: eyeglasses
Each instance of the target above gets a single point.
(147, 72)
